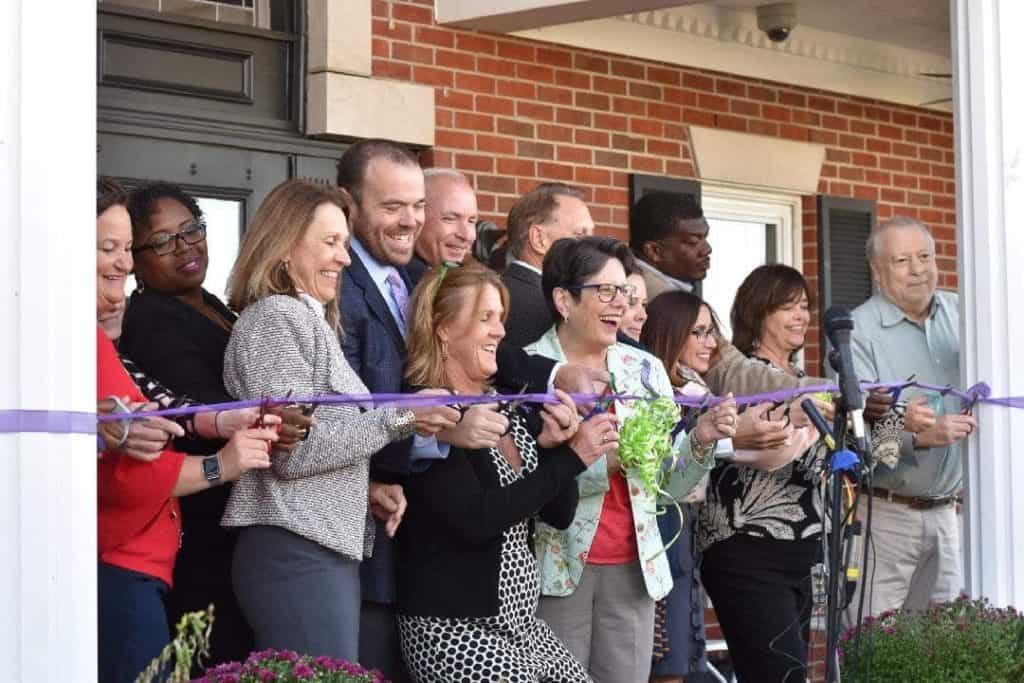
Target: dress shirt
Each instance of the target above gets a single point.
(890, 347)
(424, 449)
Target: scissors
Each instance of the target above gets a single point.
(511, 407)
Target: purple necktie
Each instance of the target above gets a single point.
(400, 295)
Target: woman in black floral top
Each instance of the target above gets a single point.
(760, 527)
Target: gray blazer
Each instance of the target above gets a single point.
(319, 490)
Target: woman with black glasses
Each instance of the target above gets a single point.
(177, 332)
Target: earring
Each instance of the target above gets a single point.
(444, 350)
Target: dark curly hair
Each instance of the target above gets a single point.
(142, 203)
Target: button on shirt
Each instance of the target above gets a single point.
(890, 347)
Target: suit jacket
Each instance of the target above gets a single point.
(417, 268)
(374, 347)
(528, 316)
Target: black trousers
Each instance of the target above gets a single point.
(761, 590)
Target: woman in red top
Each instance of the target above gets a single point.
(138, 516)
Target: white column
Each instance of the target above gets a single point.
(989, 58)
(47, 338)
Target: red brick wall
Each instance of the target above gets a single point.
(512, 113)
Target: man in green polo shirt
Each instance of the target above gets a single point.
(909, 328)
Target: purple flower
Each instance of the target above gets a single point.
(267, 675)
(303, 672)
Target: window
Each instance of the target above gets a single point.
(748, 228)
(266, 14)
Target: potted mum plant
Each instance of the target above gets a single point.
(285, 666)
(964, 641)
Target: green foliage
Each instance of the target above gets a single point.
(192, 642)
(964, 641)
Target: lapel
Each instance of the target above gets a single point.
(374, 301)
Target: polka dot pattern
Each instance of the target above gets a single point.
(510, 647)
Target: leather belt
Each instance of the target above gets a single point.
(912, 502)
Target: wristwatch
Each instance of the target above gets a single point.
(211, 469)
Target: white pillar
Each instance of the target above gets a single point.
(47, 338)
(989, 58)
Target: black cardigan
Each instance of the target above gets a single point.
(449, 543)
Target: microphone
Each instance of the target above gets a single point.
(838, 325)
(819, 422)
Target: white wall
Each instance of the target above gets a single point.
(989, 119)
(47, 347)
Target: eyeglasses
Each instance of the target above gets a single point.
(193, 233)
(635, 300)
(606, 292)
(702, 333)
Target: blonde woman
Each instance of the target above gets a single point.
(305, 523)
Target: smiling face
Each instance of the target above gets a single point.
(184, 268)
(700, 344)
(905, 268)
(113, 264)
(315, 263)
(588, 321)
(636, 313)
(449, 227)
(785, 328)
(390, 215)
(473, 338)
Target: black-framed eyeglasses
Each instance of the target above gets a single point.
(606, 292)
(192, 233)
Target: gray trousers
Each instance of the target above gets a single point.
(297, 594)
(607, 623)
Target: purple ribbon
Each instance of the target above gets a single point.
(65, 422)
(46, 422)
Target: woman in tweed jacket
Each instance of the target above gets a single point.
(306, 521)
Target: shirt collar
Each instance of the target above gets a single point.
(378, 271)
(669, 281)
(526, 265)
(890, 314)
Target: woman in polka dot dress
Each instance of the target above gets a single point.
(466, 577)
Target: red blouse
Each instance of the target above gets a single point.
(139, 520)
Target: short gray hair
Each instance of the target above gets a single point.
(430, 174)
(871, 246)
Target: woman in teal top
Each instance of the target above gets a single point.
(600, 578)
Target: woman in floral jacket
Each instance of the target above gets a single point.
(600, 578)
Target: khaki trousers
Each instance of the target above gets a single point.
(916, 555)
(607, 623)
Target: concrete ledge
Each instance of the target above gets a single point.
(744, 159)
(343, 106)
(340, 35)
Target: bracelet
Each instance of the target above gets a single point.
(700, 451)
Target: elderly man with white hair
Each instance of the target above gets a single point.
(910, 328)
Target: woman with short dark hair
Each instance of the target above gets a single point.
(760, 530)
(600, 578)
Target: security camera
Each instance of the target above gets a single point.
(777, 20)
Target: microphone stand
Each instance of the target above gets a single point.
(841, 461)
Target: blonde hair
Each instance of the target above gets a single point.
(439, 298)
(279, 224)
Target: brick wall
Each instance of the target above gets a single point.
(512, 113)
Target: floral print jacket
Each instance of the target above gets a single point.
(561, 555)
